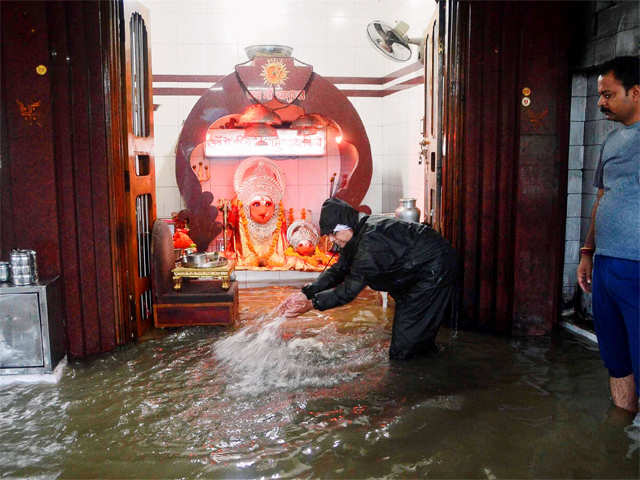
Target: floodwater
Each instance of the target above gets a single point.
(316, 397)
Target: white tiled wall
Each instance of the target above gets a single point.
(208, 37)
(401, 127)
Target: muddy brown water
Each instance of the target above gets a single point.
(316, 397)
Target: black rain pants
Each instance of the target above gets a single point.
(419, 313)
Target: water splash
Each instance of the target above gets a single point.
(259, 357)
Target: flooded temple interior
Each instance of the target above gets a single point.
(163, 165)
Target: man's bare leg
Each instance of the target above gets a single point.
(623, 393)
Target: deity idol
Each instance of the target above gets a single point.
(259, 185)
(304, 251)
(303, 237)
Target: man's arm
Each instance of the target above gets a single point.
(586, 252)
(342, 294)
(327, 279)
(321, 294)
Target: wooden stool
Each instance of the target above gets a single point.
(197, 303)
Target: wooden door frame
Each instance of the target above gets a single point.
(137, 145)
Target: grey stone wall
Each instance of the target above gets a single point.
(611, 29)
(575, 185)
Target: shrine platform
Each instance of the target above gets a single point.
(270, 278)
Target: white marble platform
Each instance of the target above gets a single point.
(270, 278)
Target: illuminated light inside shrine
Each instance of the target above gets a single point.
(239, 142)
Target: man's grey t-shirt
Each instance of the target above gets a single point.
(617, 225)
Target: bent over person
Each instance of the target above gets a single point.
(409, 260)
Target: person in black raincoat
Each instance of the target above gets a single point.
(410, 261)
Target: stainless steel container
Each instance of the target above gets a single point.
(197, 259)
(24, 270)
(4, 271)
(407, 210)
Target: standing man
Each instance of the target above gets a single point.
(409, 260)
(612, 246)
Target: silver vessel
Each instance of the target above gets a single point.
(24, 269)
(4, 271)
(407, 210)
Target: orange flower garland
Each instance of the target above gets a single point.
(263, 260)
(318, 259)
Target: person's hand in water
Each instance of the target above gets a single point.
(294, 305)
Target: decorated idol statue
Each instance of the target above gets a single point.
(304, 252)
(303, 236)
(259, 185)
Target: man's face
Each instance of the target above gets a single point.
(616, 103)
(341, 238)
(261, 209)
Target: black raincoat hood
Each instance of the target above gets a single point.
(335, 211)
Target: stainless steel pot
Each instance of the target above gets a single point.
(4, 271)
(408, 210)
(24, 269)
(197, 259)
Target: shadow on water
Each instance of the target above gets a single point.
(317, 397)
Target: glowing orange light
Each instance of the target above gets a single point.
(339, 139)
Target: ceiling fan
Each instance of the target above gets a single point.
(392, 42)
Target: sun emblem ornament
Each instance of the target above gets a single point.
(274, 72)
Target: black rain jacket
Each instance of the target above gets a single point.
(386, 254)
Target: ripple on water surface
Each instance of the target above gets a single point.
(317, 397)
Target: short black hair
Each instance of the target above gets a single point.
(625, 69)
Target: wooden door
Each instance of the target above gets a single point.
(140, 172)
(504, 192)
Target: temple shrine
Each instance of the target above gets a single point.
(259, 153)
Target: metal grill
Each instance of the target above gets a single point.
(143, 215)
(139, 74)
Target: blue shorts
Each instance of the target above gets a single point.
(616, 312)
